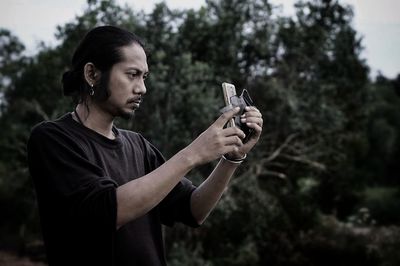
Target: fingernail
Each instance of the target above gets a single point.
(243, 120)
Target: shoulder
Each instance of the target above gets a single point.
(49, 126)
(44, 129)
(47, 132)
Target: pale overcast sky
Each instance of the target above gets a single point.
(378, 21)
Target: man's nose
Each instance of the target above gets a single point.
(140, 88)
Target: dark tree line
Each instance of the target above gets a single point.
(321, 188)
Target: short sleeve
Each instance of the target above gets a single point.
(175, 207)
(77, 202)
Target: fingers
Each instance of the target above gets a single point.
(253, 119)
(225, 117)
(256, 127)
(252, 116)
(235, 145)
(233, 131)
(251, 111)
(217, 140)
(233, 140)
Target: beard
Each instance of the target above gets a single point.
(117, 110)
(102, 98)
(126, 115)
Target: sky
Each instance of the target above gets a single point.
(376, 21)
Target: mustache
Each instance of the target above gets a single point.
(138, 99)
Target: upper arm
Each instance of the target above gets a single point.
(65, 178)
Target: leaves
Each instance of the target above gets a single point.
(330, 135)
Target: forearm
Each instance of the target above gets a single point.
(139, 196)
(207, 195)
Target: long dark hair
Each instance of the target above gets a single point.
(100, 46)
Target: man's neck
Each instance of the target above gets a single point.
(95, 119)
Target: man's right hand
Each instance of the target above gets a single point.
(216, 140)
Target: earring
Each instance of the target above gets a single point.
(91, 90)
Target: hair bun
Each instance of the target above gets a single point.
(71, 82)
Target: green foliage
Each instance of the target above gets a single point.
(329, 147)
(381, 202)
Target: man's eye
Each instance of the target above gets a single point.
(145, 76)
(132, 74)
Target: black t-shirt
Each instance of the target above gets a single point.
(76, 172)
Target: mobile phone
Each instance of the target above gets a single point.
(229, 90)
(231, 100)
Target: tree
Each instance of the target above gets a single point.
(318, 70)
(15, 192)
(329, 142)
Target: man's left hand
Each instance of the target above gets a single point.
(253, 119)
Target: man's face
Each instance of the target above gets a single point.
(126, 82)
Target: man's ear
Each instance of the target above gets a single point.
(92, 75)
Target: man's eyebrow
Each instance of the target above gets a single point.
(138, 70)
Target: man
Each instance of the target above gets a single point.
(104, 192)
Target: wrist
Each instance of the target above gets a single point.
(237, 160)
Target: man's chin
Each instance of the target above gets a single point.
(127, 115)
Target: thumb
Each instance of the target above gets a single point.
(225, 117)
